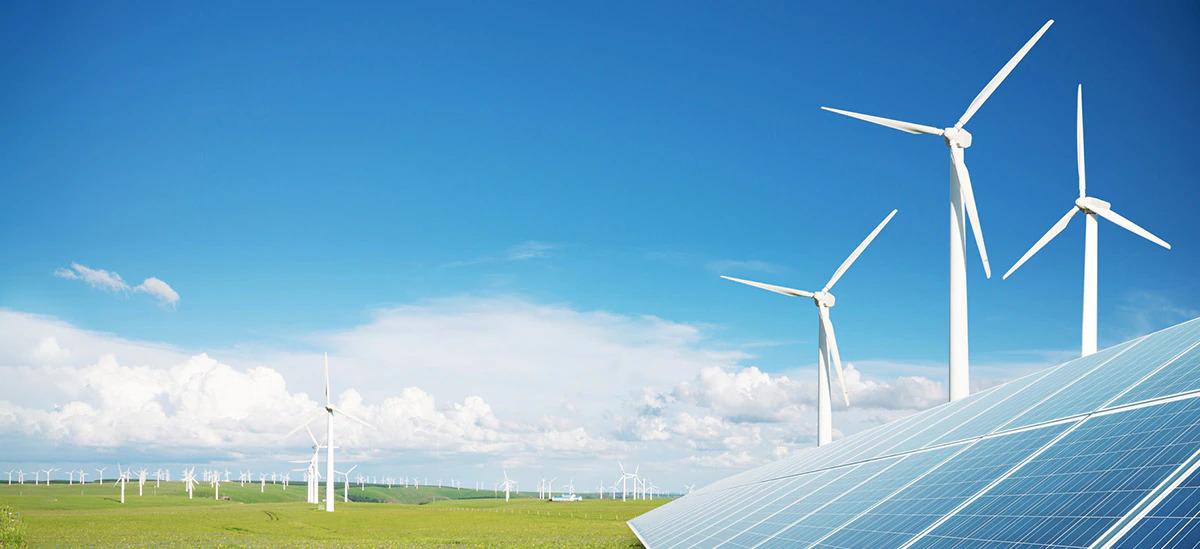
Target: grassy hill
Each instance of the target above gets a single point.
(59, 514)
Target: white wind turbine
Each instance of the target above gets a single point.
(346, 483)
(508, 484)
(82, 476)
(122, 478)
(961, 196)
(48, 472)
(216, 484)
(827, 349)
(189, 481)
(141, 480)
(1091, 207)
(10, 474)
(626, 476)
(100, 471)
(328, 412)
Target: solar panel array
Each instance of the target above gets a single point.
(1099, 451)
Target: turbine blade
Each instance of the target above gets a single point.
(1050, 234)
(771, 287)
(311, 436)
(1079, 142)
(342, 413)
(1130, 226)
(1000, 76)
(907, 127)
(835, 357)
(304, 425)
(857, 252)
(968, 195)
(327, 379)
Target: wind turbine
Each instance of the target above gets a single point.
(958, 139)
(329, 412)
(189, 480)
(1091, 207)
(508, 484)
(100, 470)
(216, 484)
(346, 483)
(10, 474)
(625, 475)
(122, 478)
(827, 348)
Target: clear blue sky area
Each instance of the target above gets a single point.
(291, 166)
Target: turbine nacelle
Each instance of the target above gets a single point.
(824, 299)
(957, 137)
(1092, 205)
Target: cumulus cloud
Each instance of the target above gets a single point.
(482, 380)
(207, 405)
(112, 282)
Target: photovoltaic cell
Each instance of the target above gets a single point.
(1175, 522)
(1113, 377)
(816, 524)
(1032, 393)
(913, 509)
(1180, 376)
(836, 483)
(1079, 487)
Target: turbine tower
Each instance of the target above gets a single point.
(1091, 207)
(962, 197)
(827, 349)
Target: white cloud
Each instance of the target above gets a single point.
(159, 290)
(96, 278)
(530, 249)
(482, 380)
(48, 350)
(522, 251)
(112, 282)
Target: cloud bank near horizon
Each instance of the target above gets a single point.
(488, 381)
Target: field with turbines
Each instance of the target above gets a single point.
(90, 514)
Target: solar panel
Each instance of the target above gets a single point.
(1175, 522)
(1099, 450)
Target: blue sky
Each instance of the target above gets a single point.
(291, 168)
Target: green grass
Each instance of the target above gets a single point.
(62, 515)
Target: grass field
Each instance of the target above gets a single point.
(62, 515)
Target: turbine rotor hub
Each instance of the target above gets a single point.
(1090, 205)
(957, 137)
(824, 299)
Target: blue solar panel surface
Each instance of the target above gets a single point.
(1101, 449)
(1175, 522)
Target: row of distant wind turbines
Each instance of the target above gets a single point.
(962, 211)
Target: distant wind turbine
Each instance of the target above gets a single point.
(1091, 207)
(827, 348)
(958, 139)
